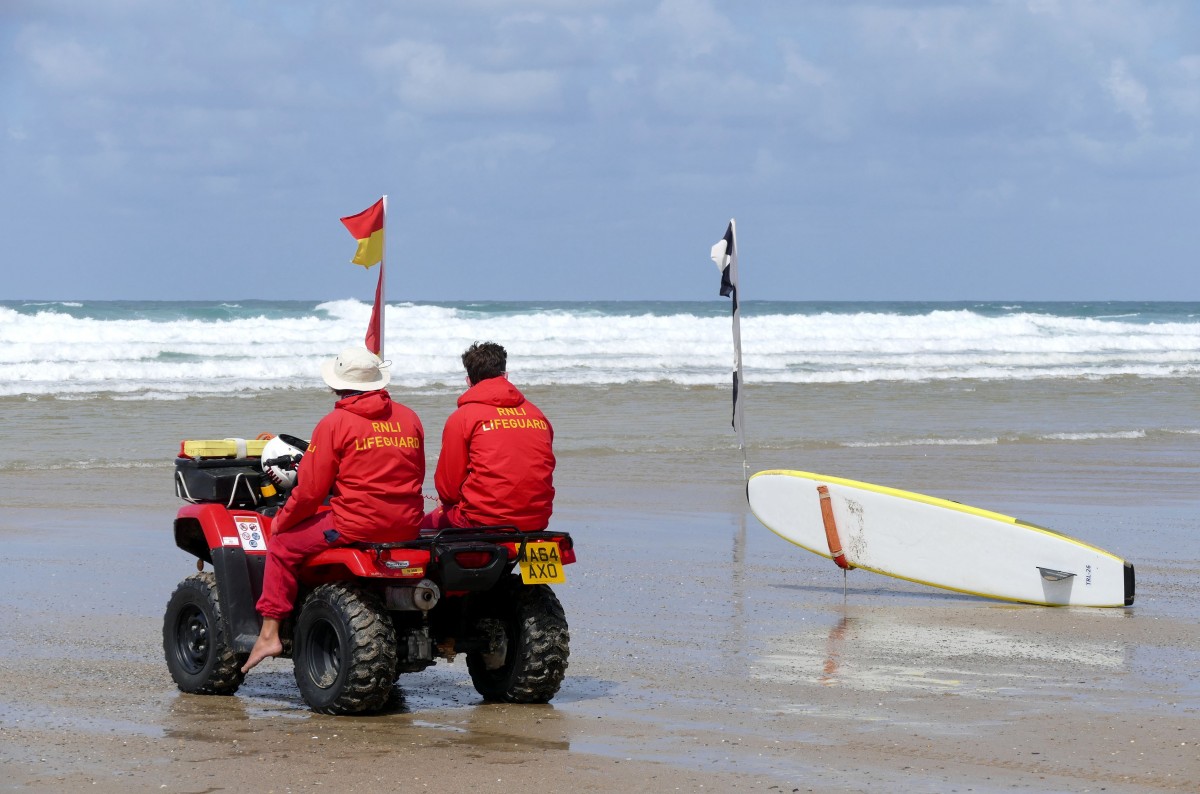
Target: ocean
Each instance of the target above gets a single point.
(628, 379)
(641, 386)
(644, 386)
(169, 350)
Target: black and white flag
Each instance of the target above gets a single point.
(724, 253)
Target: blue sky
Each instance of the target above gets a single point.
(595, 149)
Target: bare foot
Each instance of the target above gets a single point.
(267, 644)
(261, 650)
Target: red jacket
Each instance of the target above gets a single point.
(497, 459)
(370, 452)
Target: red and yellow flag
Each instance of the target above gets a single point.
(367, 228)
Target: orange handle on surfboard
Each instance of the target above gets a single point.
(831, 533)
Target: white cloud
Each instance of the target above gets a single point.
(486, 154)
(694, 27)
(1129, 95)
(805, 71)
(427, 77)
(63, 64)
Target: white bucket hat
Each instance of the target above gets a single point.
(355, 369)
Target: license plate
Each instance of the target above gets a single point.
(542, 564)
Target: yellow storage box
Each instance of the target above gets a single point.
(222, 448)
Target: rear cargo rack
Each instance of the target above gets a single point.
(445, 544)
(500, 533)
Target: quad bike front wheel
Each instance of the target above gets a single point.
(528, 645)
(199, 655)
(344, 650)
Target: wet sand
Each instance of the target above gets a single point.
(706, 655)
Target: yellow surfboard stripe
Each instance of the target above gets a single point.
(936, 502)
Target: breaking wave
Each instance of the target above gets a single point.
(160, 350)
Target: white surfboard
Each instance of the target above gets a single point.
(937, 542)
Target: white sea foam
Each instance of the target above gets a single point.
(922, 442)
(52, 351)
(1117, 435)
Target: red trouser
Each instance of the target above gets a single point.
(285, 553)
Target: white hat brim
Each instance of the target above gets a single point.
(340, 384)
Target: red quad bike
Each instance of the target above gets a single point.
(365, 613)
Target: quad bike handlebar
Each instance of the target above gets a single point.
(283, 461)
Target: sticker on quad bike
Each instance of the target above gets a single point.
(542, 564)
(250, 533)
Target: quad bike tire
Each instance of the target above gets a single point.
(535, 645)
(344, 650)
(199, 654)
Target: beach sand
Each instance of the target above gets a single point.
(706, 653)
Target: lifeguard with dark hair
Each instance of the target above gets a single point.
(497, 460)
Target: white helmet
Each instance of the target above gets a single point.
(280, 457)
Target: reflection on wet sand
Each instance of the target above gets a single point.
(269, 703)
(217, 730)
(833, 652)
(887, 650)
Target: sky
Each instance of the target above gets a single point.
(596, 149)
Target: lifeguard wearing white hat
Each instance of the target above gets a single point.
(355, 369)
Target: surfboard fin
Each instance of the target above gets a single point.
(1051, 575)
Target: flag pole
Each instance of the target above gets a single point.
(739, 381)
(382, 270)
(724, 254)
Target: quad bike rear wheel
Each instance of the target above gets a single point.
(344, 650)
(529, 645)
(199, 655)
